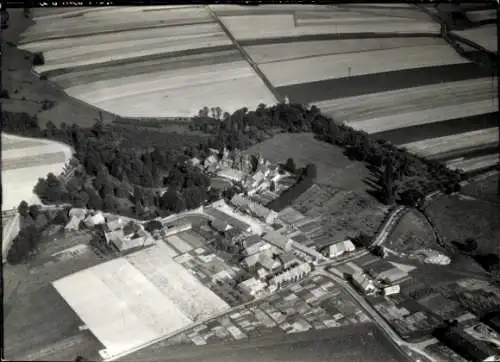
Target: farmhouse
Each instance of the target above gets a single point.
(288, 260)
(393, 289)
(254, 208)
(389, 276)
(254, 244)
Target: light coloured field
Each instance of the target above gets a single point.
(114, 20)
(480, 15)
(267, 8)
(307, 70)
(188, 294)
(83, 76)
(121, 307)
(17, 179)
(485, 36)
(178, 93)
(405, 100)
(179, 244)
(283, 51)
(391, 10)
(343, 19)
(475, 163)
(66, 48)
(171, 79)
(438, 145)
(283, 26)
(138, 50)
(438, 114)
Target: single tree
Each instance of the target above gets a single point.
(290, 165)
(23, 208)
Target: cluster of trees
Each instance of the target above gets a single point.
(118, 177)
(33, 221)
(405, 178)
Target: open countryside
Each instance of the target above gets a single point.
(229, 182)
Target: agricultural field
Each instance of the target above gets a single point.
(341, 214)
(485, 36)
(485, 189)
(412, 232)
(39, 324)
(24, 160)
(456, 218)
(145, 295)
(336, 170)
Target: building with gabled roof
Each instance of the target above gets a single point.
(278, 240)
(223, 217)
(252, 286)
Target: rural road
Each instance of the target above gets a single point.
(384, 326)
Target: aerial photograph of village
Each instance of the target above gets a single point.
(256, 181)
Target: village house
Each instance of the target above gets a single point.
(278, 240)
(288, 260)
(389, 276)
(337, 249)
(93, 220)
(393, 289)
(254, 244)
(252, 286)
(363, 282)
(293, 274)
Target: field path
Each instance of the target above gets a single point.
(245, 55)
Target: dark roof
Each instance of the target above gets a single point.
(226, 218)
(251, 240)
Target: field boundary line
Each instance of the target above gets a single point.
(246, 56)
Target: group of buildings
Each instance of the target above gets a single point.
(118, 233)
(236, 167)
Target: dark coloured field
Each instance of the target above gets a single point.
(354, 343)
(471, 152)
(457, 218)
(486, 189)
(380, 82)
(439, 129)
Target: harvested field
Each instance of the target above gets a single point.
(412, 232)
(113, 20)
(475, 163)
(447, 144)
(23, 166)
(269, 53)
(328, 89)
(481, 15)
(342, 215)
(457, 218)
(439, 129)
(80, 76)
(318, 68)
(486, 189)
(193, 238)
(336, 170)
(381, 124)
(485, 36)
(283, 25)
(186, 92)
(425, 97)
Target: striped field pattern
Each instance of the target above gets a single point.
(382, 69)
(24, 160)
